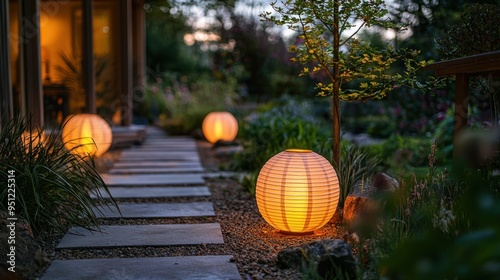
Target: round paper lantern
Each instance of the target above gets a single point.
(297, 191)
(87, 134)
(220, 126)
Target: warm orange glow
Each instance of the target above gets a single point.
(220, 126)
(32, 139)
(87, 134)
(297, 191)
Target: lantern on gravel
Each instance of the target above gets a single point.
(87, 134)
(220, 126)
(297, 191)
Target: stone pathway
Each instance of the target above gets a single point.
(163, 167)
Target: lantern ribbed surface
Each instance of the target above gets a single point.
(297, 191)
(220, 126)
(87, 134)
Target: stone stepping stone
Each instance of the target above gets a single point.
(192, 157)
(156, 164)
(155, 192)
(142, 235)
(152, 179)
(153, 170)
(182, 158)
(132, 153)
(157, 210)
(152, 149)
(169, 139)
(172, 268)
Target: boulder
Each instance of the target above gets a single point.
(354, 207)
(358, 202)
(384, 182)
(329, 256)
(28, 254)
(360, 210)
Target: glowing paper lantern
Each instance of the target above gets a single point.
(297, 191)
(32, 139)
(220, 126)
(87, 134)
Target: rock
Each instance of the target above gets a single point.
(358, 202)
(354, 207)
(329, 256)
(337, 217)
(361, 212)
(28, 254)
(384, 182)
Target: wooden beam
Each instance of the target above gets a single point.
(476, 64)
(88, 70)
(139, 40)
(461, 109)
(30, 51)
(126, 59)
(6, 106)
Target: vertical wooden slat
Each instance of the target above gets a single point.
(88, 57)
(126, 58)
(6, 106)
(461, 109)
(30, 50)
(139, 41)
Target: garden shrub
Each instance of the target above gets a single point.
(187, 106)
(399, 152)
(52, 185)
(377, 126)
(150, 102)
(443, 227)
(292, 125)
(355, 165)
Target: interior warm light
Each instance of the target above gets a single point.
(297, 191)
(87, 134)
(220, 126)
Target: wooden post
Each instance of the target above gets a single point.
(30, 51)
(461, 109)
(126, 58)
(6, 106)
(88, 57)
(139, 41)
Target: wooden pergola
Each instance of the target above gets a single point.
(486, 65)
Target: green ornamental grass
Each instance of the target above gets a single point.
(53, 186)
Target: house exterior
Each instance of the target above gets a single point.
(62, 57)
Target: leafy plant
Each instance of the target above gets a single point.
(289, 125)
(356, 166)
(52, 185)
(476, 32)
(443, 227)
(349, 69)
(187, 106)
(71, 74)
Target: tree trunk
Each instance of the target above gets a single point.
(336, 130)
(336, 87)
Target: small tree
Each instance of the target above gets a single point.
(327, 47)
